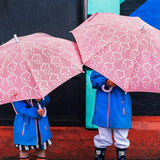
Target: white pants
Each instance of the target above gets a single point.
(104, 138)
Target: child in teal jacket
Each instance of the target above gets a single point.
(31, 127)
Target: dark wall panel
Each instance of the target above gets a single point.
(145, 104)
(129, 6)
(55, 17)
(68, 103)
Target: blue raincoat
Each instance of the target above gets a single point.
(112, 110)
(25, 123)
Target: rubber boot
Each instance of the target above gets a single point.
(99, 153)
(121, 153)
(41, 158)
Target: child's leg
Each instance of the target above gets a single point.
(104, 138)
(24, 155)
(101, 141)
(121, 142)
(41, 154)
(120, 137)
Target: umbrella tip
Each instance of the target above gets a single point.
(142, 26)
(16, 38)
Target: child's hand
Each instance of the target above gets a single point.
(37, 100)
(40, 112)
(110, 83)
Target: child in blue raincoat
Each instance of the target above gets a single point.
(31, 127)
(112, 114)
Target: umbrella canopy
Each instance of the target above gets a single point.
(124, 49)
(35, 65)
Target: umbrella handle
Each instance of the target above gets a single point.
(45, 110)
(105, 90)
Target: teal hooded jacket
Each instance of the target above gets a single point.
(113, 109)
(25, 123)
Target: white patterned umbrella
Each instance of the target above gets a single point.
(35, 65)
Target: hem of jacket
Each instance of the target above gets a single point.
(30, 144)
(33, 143)
(127, 126)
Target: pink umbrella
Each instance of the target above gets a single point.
(124, 49)
(35, 65)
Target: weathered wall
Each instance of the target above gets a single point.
(76, 143)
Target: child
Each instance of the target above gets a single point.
(31, 127)
(112, 114)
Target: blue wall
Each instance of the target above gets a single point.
(149, 12)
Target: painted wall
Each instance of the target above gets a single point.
(90, 100)
(112, 6)
(121, 1)
(149, 12)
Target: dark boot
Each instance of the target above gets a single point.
(99, 153)
(121, 153)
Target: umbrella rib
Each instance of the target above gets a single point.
(132, 71)
(37, 85)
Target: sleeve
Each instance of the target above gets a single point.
(98, 80)
(43, 102)
(21, 107)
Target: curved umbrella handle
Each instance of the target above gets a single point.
(45, 110)
(105, 90)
